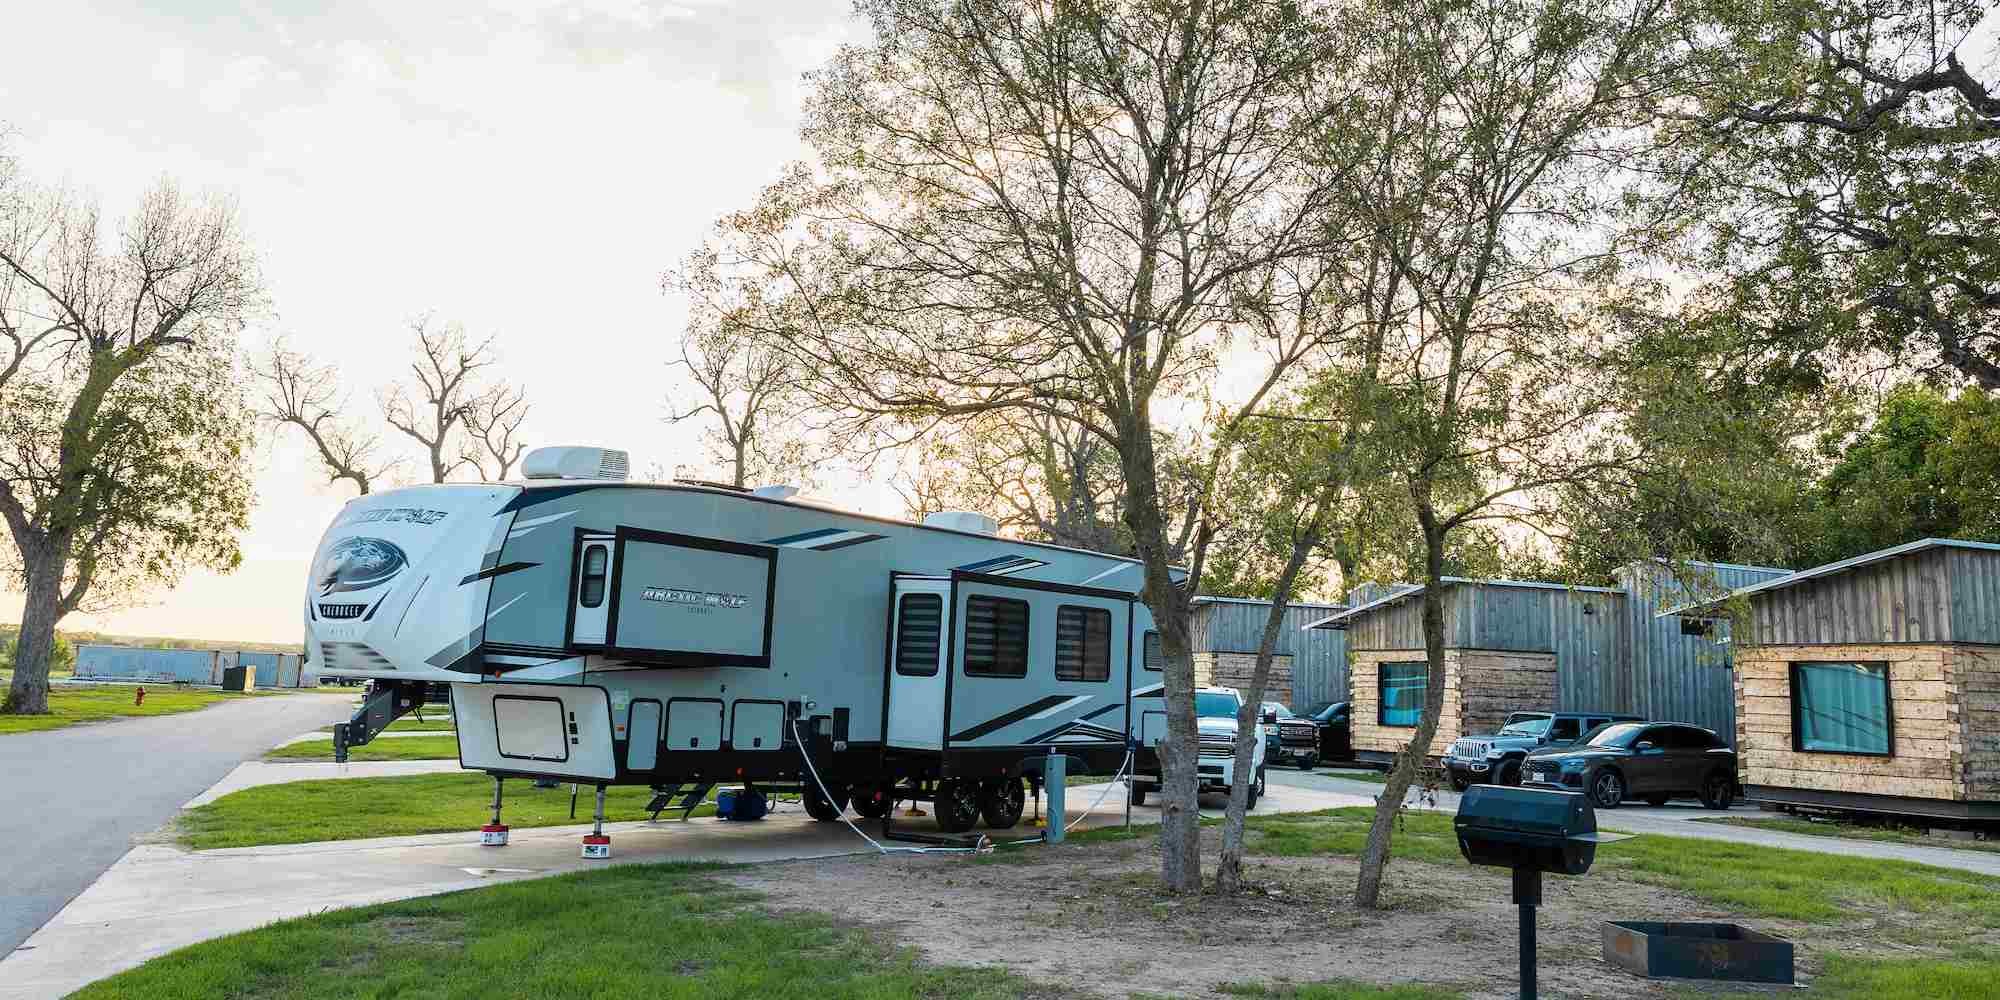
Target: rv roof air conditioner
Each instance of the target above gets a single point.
(962, 520)
(775, 492)
(576, 463)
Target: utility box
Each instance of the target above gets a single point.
(239, 679)
(1537, 829)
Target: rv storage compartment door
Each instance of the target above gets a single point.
(590, 590)
(644, 749)
(757, 725)
(916, 660)
(683, 601)
(561, 730)
(694, 724)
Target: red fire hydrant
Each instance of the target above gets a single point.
(139, 698)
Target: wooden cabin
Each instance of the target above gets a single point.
(1524, 646)
(1308, 666)
(1873, 684)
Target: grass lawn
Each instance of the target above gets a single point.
(1751, 880)
(357, 808)
(651, 931)
(432, 722)
(1356, 774)
(1854, 831)
(403, 748)
(666, 931)
(71, 704)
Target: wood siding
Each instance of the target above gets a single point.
(1233, 670)
(1480, 688)
(1931, 752)
(1976, 671)
(1934, 595)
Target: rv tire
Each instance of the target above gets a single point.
(874, 801)
(817, 805)
(1001, 801)
(957, 805)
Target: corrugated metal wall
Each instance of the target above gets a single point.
(1587, 631)
(1319, 656)
(190, 666)
(1676, 677)
(1975, 594)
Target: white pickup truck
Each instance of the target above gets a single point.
(1215, 712)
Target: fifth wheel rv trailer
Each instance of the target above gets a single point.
(680, 635)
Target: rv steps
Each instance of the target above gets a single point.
(663, 798)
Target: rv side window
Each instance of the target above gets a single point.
(1156, 658)
(1083, 643)
(591, 593)
(996, 637)
(919, 619)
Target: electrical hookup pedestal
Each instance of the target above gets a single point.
(596, 845)
(494, 834)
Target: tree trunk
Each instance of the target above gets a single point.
(29, 692)
(1180, 815)
(1229, 869)
(1375, 854)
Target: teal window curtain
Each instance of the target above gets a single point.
(1841, 708)
(1402, 688)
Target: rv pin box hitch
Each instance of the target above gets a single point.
(384, 702)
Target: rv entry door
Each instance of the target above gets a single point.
(591, 592)
(916, 663)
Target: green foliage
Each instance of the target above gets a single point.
(1836, 165)
(658, 931)
(1926, 466)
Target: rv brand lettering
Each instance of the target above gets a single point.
(699, 598)
(398, 515)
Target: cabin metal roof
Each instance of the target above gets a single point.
(1341, 619)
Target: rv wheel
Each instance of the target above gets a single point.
(817, 805)
(957, 805)
(1001, 801)
(874, 801)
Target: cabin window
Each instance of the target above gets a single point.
(1083, 643)
(1402, 688)
(1156, 656)
(996, 637)
(590, 593)
(919, 628)
(1841, 708)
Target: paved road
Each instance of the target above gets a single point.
(73, 800)
(1683, 819)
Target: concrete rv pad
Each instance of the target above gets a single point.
(159, 898)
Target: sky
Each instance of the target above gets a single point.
(528, 168)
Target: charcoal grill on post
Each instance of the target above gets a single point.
(1531, 831)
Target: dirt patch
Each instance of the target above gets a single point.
(418, 930)
(1092, 917)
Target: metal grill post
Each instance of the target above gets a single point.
(1527, 895)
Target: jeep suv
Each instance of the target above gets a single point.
(1497, 758)
(1215, 712)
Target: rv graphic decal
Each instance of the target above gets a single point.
(397, 515)
(358, 563)
(700, 598)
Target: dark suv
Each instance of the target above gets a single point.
(1497, 758)
(1650, 761)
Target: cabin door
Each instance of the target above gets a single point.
(591, 594)
(916, 664)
